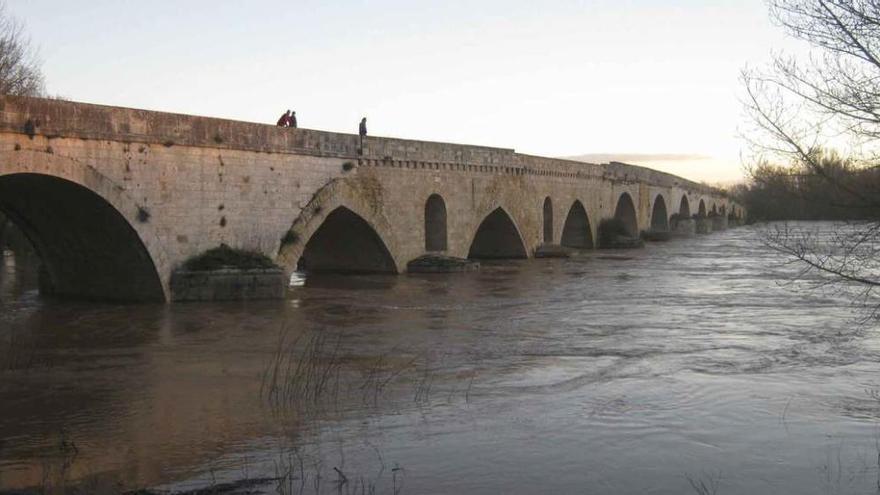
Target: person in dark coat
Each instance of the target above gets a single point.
(362, 132)
(284, 121)
(292, 120)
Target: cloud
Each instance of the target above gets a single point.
(636, 158)
(696, 167)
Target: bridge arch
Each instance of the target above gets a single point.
(702, 211)
(87, 246)
(346, 243)
(684, 207)
(714, 209)
(626, 213)
(659, 215)
(435, 224)
(577, 232)
(497, 237)
(350, 206)
(548, 220)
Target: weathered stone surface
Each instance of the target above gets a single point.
(621, 242)
(656, 235)
(437, 263)
(164, 187)
(686, 227)
(553, 251)
(703, 225)
(719, 223)
(228, 285)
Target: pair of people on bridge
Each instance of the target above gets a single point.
(288, 119)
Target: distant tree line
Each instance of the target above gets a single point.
(827, 187)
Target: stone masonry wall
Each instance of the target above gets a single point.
(204, 181)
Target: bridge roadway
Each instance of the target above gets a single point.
(114, 199)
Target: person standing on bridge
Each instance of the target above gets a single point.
(292, 120)
(362, 132)
(284, 121)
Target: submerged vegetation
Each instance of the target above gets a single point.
(308, 374)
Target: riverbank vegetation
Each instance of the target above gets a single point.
(801, 107)
(833, 189)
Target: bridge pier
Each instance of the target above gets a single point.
(703, 225)
(685, 227)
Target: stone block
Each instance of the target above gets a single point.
(656, 235)
(552, 251)
(703, 225)
(685, 228)
(227, 285)
(438, 263)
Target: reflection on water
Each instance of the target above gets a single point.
(610, 374)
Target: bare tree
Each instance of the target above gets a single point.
(20, 68)
(828, 99)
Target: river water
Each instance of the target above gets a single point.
(682, 366)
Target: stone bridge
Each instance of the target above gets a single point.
(114, 199)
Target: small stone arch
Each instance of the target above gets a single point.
(659, 216)
(548, 220)
(702, 211)
(346, 243)
(626, 213)
(723, 209)
(435, 224)
(349, 193)
(684, 207)
(714, 209)
(577, 232)
(497, 237)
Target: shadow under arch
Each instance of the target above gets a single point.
(659, 215)
(497, 238)
(346, 243)
(702, 211)
(626, 213)
(87, 247)
(576, 232)
(684, 208)
(435, 223)
(548, 220)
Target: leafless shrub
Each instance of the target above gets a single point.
(818, 117)
(842, 259)
(20, 67)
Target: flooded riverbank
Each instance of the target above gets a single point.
(617, 372)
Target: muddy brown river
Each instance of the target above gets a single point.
(682, 366)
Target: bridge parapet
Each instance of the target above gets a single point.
(59, 118)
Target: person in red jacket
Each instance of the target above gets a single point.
(284, 121)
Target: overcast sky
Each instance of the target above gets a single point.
(563, 78)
